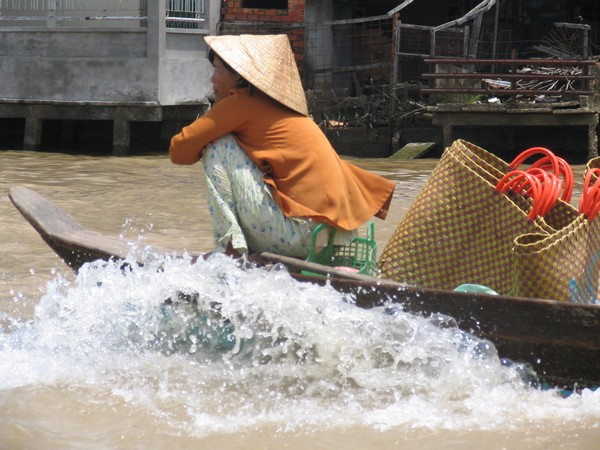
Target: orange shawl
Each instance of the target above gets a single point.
(307, 176)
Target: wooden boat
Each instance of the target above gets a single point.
(559, 340)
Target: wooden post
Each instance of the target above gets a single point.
(513, 82)
(593, 139)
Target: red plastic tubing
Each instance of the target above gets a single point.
(589, 203)
(541, 181)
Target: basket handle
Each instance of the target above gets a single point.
(551, 187)
(589, 203)
(565, 170)
(542, 187)
(525, 154)
(371, 231)
(312, 252)
(551, 163)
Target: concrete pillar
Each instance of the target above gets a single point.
(156, 34)
(156, 37)
(121, 137)
(33, 133)
(214, 14)
(51, 20)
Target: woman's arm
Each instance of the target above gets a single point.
(225, 117)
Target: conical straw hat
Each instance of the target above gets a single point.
(265, 61)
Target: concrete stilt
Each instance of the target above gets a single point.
(121, 137)
(33, 133)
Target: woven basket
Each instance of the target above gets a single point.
(562, 265)
(460, 229)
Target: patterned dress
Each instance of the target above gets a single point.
(243, 210)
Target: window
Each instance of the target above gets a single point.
(185, 13)
(265, 4)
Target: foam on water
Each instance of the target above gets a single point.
(214, 347)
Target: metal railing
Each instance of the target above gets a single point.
(187, 14)
(510, 77)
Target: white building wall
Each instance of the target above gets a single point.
(49, 53)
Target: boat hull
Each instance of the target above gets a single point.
(559, 340)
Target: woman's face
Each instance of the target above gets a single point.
(223, 80)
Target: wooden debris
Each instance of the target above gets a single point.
(413, 150)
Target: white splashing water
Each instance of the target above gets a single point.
(213, 347)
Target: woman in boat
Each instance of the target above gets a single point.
(272, 176)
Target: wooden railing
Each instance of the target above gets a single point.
(501, 76)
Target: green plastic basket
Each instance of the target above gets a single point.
(359, 256)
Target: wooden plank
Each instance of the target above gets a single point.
(500, 91)
(513, 62)
(514, 118)
(300, 265)
(503, 107)
(413, 150)
(71, 241)
(508, 76)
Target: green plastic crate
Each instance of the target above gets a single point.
(360, 255)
